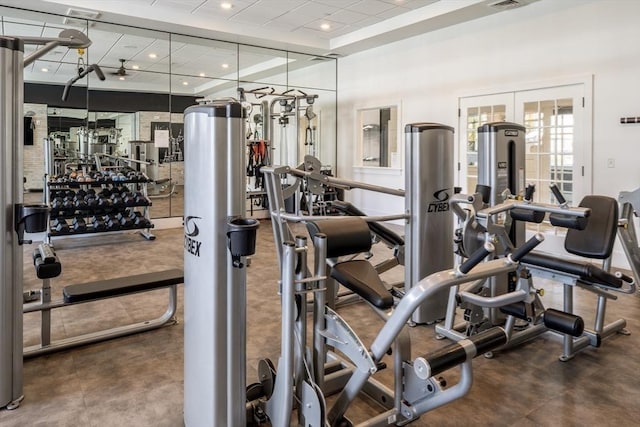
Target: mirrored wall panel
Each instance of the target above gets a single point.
(134, 116)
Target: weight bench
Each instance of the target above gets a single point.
(48, 266)
(594, 242)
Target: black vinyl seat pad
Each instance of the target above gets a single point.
(586, 272)
(122, 286)
(361, 277)
(386, 234)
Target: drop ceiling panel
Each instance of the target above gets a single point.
(182, 5)
(311, 10)
(345, 16)
(370, 7)
(262, 12)
(412, 4)
(337, 3)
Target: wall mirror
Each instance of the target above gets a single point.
(378, 140)
(151, 77)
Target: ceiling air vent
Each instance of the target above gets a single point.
(508, 4)
(80, 17)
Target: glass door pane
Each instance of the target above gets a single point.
(556, 150)
(475, 112)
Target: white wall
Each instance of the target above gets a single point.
(547, 40)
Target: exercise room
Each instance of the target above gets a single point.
(319, 213)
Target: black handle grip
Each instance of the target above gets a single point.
(623, 277)
(527, 247)
(484, 191)
(528, 192)
(96, 69)
(476, 258)
(558, 195)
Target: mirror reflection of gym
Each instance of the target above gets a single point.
(378, 137)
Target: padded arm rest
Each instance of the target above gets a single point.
(360, 277)
(386, 234)
(121, 286)
(527, 215)
(588, 273)
(345, 236)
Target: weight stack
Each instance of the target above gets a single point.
(501, 166)
(429, 234)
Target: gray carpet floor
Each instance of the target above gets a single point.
(137, 380)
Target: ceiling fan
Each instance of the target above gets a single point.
(120, 71)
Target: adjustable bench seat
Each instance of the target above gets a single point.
(348, 236)
(121, 286)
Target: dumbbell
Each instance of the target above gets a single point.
(144, 223)
(104, 203)
(68, 205)
(98, 223)
(129, 199)
(105, 192)
(141, 200)
(70, 194)
(91, 192)
(125, 220)
(81, 204)
(56, 203)
(79, 226)
(112, 223)
(117, 201)
(92, 202)
(80, 194)
(60, 225)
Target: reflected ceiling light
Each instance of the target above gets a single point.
(185, 83)
(44, 70)
(121, 78)
(325, 26)
(201, 74)
(135, 67)
(153, 55)
(225, 65)
(226, 5)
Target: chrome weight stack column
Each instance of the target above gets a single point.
(214, 292)
(501, 166)
(429, 185)
(11, 128)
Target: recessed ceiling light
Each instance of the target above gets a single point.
(121, 78)
(225, 65)
(325, 26)
(201, 74)
(135, 67)
(226, 5)
(153, 55)
(44, 70)
(185, 83)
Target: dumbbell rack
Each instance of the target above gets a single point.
(111, 214)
